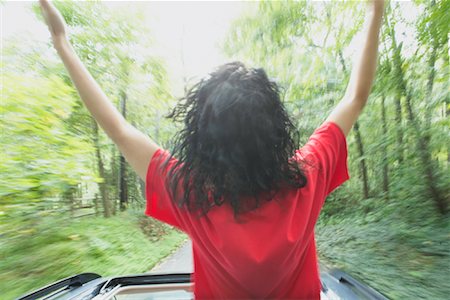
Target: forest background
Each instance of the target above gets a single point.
(69, 203)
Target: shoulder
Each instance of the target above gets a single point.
(161, 162)
(328, 129)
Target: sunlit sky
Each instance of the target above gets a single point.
(187, 34)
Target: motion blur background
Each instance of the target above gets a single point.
(69, 203)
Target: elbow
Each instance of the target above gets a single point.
(358, 93)
(119, 132)
(358, 99)
(363, 94)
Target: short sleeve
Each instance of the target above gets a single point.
(159, 204)
(328, 147)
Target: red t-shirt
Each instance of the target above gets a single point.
(272, 253)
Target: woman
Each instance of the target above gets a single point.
(236, 182)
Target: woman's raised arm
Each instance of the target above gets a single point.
(136, 147)
(347, 111)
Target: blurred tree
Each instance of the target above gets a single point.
(40, 157)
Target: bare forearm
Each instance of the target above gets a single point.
(364, 67)
(349, 108)
(137, 148)
(90, 92)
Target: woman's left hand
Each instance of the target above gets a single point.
(55, 22)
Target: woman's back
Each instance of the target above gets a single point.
(268, 252)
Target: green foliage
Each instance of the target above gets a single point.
(57, 248)
(433, 26)
(402, 260)
(40, 157)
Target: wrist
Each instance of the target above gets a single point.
(376, 10)
(374, 15)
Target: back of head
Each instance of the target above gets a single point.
(236, 142)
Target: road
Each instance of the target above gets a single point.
(179, 262)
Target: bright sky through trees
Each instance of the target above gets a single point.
(186, 34)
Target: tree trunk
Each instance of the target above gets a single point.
(362, 161)
(446, 104)
(397, 61)
(384, 149)
(96, 204)
(101, 170)
(399, 129)
(359, 142)
(123, 190)
(142, 188)
(68, 196)
(422, 144)
(447, 115)
(428, 164)
(113, 180)
(430, 83)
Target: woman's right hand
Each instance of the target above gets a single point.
(55, 22)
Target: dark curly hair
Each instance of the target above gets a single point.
(236, 143)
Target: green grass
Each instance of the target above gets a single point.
(55, 248)
(399, 259)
